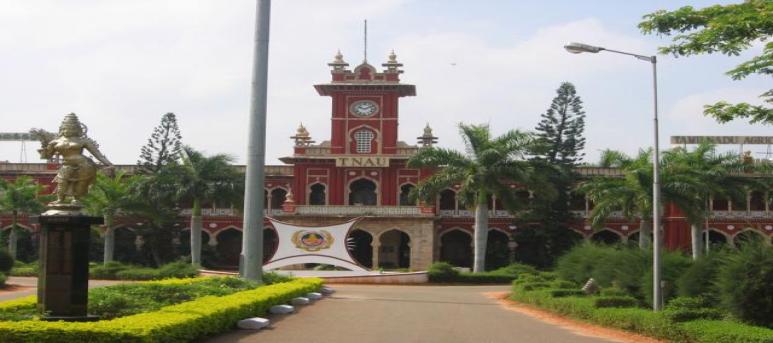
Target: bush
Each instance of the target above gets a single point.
(119, 271)
(559, 293)
(2, 280)
(722, 331)
(179, 269)
(483, 278)
(183, 322)
(138, 273)
(615, 301)
(744, 282)
(563, 284)
(442, 272)
(673, 264)
(608, 265)
(6, 261)
(698, 279)
(108, 270)
(614, 292)
(515, 270)
(682, 309)
(530, 286)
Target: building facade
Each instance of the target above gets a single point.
(361, 172)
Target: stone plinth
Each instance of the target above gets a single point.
(64, 265)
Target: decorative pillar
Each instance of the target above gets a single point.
(375, 246)
(64, 266)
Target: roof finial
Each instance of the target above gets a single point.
(365, 45)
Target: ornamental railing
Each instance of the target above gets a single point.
(377, 211)
(741, 215)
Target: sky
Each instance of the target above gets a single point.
(120, 65)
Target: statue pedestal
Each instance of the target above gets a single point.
(63, 283)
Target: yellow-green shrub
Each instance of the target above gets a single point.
(177, 323)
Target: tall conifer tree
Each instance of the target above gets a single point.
(559, 133)
(163, 147)
(557, 151)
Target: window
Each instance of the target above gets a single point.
(317, 195)
(363, 138)
(406, 200)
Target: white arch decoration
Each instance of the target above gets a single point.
(761, 235)
(619, 235)
(330, 247)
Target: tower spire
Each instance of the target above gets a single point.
(365, 42)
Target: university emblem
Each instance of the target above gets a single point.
(311, 241)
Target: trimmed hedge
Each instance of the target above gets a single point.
(642, 321)
(177, 323)
(443, 272)
(615, 301)
(119, 271)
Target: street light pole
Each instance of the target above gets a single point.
(657, 297)
(251, 258)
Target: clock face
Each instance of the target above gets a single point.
(363, 108)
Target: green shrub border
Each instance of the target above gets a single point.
(177, 323)
(642, 321)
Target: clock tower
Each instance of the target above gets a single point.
(364, 107)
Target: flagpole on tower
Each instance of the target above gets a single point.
(365, 43)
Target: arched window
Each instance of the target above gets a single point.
(278, 196)
(757, 201)
(363, 192)
(317, 195)
(447, 200)
(405, 200)
(363, 138)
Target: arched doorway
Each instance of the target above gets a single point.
(278, 196)
(497, 251)
(394, 250)
(456, 248)
(359, 242)
(229, 247)
(317, 194)
(749, 236)
(363, 192)
(605, 237)
(716, 238)
(405, 191)
(270, 243)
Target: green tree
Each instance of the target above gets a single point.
(206, 179)
(631, 194)
(559, 134)
(705, 173)
(109, 197)
(154, 202)
(727, 29)
(21, 196)
(488, 168)
(164, 146)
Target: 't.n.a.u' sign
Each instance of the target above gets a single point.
(362, 161)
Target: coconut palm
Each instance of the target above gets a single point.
(708, 174)
(631, 194)
(19, 196)
(488, 167)
(107, 197)
(205, 179)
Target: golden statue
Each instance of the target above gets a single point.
(77, 172)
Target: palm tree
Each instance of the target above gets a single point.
(107, 197)
(708, 174)
(487, 168)
(631, 194)
(17, 197)
(206, 179)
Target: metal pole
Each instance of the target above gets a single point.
(251, 258)
(657, 300)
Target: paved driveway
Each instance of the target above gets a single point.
(382, 313)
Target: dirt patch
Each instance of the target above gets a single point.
(578, 327)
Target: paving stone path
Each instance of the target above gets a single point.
(381, 313)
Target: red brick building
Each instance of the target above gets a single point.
(360, 171)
